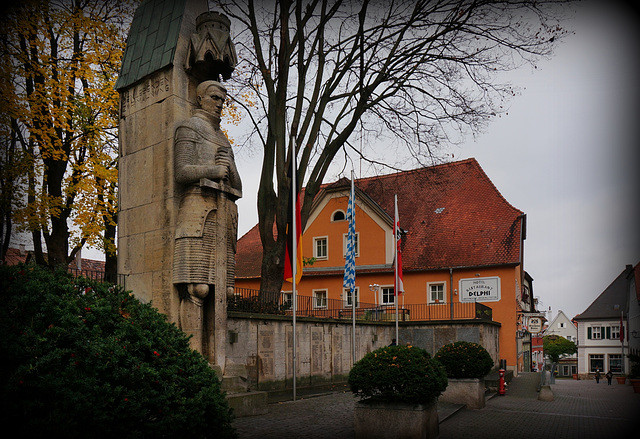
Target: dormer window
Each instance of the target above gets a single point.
(338, 215)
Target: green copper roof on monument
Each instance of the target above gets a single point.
(152, 40)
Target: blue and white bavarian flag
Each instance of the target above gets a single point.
(350, 256)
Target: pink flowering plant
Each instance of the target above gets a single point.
(464, 359)
(85, 359)
(403, 374)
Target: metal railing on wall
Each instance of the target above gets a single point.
(249, 301)
(98, 276)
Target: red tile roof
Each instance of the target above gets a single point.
(15, 256)
(453, 215)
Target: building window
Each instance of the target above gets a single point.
(565, 370)
(388, 298)
(346, 293)
(344, 244)
(615, 363)
(287, 300)
(569, 338)
(338, 215)
(436, 292)
(596, 362)
(615, 333)
(320, 247)
(319, 299)
(594, 333)
(561, 325)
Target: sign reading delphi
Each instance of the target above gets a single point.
(480, 289)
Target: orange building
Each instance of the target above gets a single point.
(462, 244)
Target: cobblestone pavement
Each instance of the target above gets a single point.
(580, 409)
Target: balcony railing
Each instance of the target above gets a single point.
(247, 300)
(97, 275)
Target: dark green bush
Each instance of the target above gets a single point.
(82, 359)
(464, 359)
(398, 374)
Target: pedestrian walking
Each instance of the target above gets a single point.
(393, 342)
(609, 375)
(597, 376)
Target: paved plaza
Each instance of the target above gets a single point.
(580, 409)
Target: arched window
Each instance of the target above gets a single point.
(338, 215)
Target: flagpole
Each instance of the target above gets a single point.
(294, 261)
(353, 298)
(395, 246)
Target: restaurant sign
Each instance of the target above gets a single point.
(480, 289)
(535, 325)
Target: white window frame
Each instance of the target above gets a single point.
(286, 297)
(596, 330)
(316, 241)
(316, 295)
(390, 294)
(340, 220)
(561, 325)
(346, 294)
(596, 357)
(619, 358)
(615, 332)
(430, 299)
(344, 244)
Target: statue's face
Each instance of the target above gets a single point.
(212, 100)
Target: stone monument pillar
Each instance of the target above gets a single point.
(177, 217)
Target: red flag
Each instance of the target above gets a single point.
(297, 232)
(399, 284)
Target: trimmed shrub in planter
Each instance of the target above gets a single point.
(466, 365)
(464, 359)
(398, 387)
(398, 374)
(82, 359)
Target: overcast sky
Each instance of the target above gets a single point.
(565, 154)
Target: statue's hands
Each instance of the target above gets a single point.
(219, 172)
(223, 159)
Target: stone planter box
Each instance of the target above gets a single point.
(467, 391)
(396, 421)
(621, 380)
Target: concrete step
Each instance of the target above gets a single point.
(234, 384)
(248, 403)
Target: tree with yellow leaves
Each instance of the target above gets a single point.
(58, 131)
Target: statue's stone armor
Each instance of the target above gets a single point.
(199, 144)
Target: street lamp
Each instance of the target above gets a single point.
(375, 288)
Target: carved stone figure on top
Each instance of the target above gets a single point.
(206, 227)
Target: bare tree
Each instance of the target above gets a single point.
(417, 70)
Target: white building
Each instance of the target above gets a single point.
(633, 316)
(562, 326)
(601, 346)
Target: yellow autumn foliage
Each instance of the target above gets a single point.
(59, 64)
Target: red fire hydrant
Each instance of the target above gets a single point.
(501, 382)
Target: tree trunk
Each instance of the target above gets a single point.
(111, 258)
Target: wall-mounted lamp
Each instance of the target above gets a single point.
(455, 291)
(634, 333)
